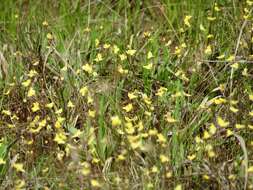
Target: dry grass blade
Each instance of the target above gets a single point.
(246, 161)
(4, 65)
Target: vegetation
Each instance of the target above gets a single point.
(126, 94)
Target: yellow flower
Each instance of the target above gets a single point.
(154, 169)
(178, 187)
(233, 109)
(170, 119)
(251, 97)
(148, 66)
(250, 169)
(164, 158)
(161, 138)
(92, 113)
(98, 57)
(97, 42)
(70, 104)
(129, 128)
(122, 57)
(26, 83)
(106, 46)
(121, 70)
(221, 56)
(32, 73)
(31, 92)
(239, 126)
(150, 55)
(60, 138)
(95, 183)
(206, 135)
(19, 167)
(115, 49)
(187, 19)
(208, 50)
(2, 161)
(128, 107)
(36, 107)
(191, 157)
(49, 105)
(87, 68)
(45, 23)
(6, 112)
(115, 120)
(131, 95)
(222, 122)
(231, 58)
(212, 129)
(161, 91)
(84, 90)
(50, 36)
(131, 52)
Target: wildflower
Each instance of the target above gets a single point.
(32, 73)
(212, 129)
(132, 95)
(122, 57)
(128, 107)
(163, 158)
(161, 91)
(97, 42)
(169, 118)
(88, 68)
(178, 187)
(150, 55)
(92, 113)
(221, 56)
(19, 167)
(49, 105)
(115, 49)
(84, 90)
(95, 183)
(208, 50)
(250, 169)
(239, 126)
(2, 161)
(233, 109)
(50, 36)
(98, 57)
(222, 122)
(191, 157)
(60, 138)
(70, 104)
(26, 83)
(161, 138)
(6, 112)
(187, 19)
(121, 70)
(31, 92)
(35, 107)
(131, 52)
(251, 97)
(168, 175)
(211, 18)
(106, 46)
(115, 120)
(45, 23)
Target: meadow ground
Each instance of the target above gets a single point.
(126, 94)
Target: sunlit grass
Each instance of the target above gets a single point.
(126, 94)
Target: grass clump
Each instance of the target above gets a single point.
(126, 94)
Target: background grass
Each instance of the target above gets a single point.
(146, 150)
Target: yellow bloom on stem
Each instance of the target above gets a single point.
(115, 121)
